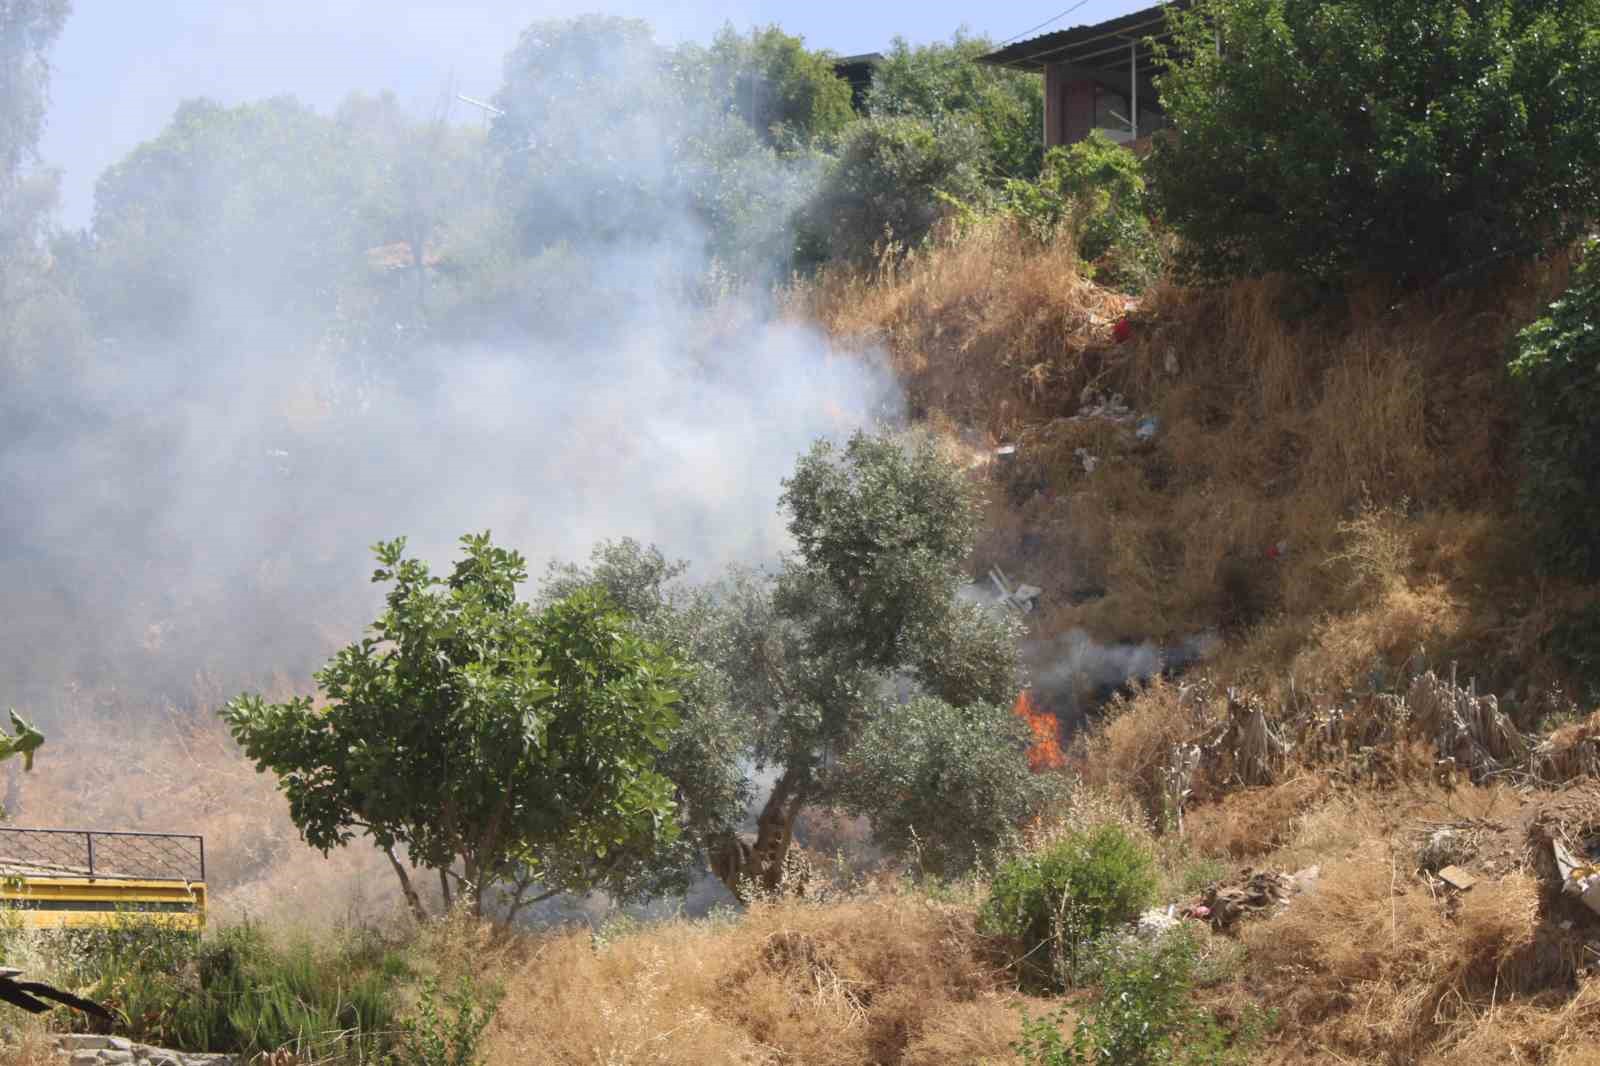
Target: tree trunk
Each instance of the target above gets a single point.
(412, 899)
(444, 888)
(760, 857)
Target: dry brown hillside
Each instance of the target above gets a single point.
(1316, 500)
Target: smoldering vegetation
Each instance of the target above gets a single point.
(266, 381)
(288, 335)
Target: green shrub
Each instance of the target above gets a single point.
(1092, 193)
(1142, 1016)
(1055, 902)
(434, 1040)
(889, 184)
(1412, 140)
(1557, 367)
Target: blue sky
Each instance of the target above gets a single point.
(122, 67)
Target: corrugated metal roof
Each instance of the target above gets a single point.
(1103, 45)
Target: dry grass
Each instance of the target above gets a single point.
(1376, 967)
(32, 1048)
(985, 328)
(1312, 462)
(888, 977)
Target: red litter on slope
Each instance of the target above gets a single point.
(1122, 330)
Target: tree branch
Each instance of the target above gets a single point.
(412, 899)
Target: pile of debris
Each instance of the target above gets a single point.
(1467, 730)
(1252, 895)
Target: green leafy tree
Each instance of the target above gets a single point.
(608, 138)
(1557, 369)
(942, 81)
(488, 740)
(591, 126)
(260, 193)
(785, 91)
(416, 178)
(28, 30)
(1414, 140)
(40, 322)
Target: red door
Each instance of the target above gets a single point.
(1077, 110)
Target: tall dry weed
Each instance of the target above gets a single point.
(871, 979)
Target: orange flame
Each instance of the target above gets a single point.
(1045, 752)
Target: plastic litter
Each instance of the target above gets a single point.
(1578, 878)
(1152, 923)
(1086, 459)
(1149, 426)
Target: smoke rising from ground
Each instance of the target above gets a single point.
(207, 504)
(1076, 673)
(202, 505)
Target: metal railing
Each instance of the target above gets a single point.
(82, 853)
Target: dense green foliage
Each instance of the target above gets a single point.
(1056, 901)
(942, 784)
(39, 323)
(804, 670)
(788, 93)
(1557, 366)
(489, 740)
(1415, 139)
(943, 83)
(236, 991)
(262, 191)
(702, 760)
(1143, 1015)
(889, 184)
(1093, 194)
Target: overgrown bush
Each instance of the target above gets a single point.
(1055, 902)
(1143, 1015)
(891, 182)
(1414, 140)
(451, 1039)
(1092, 193)
(1557, 366)
(236, 990)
